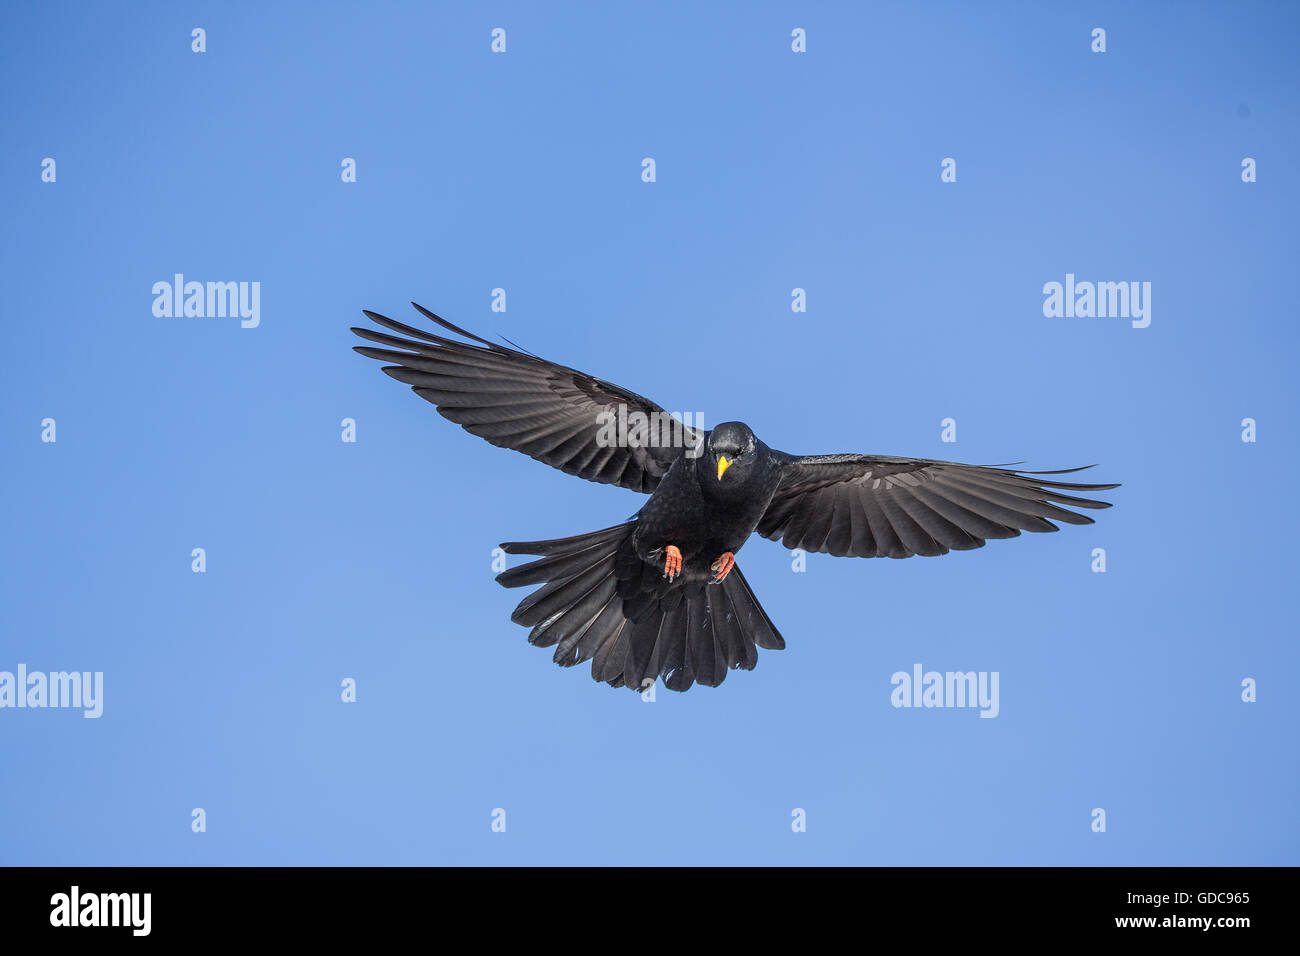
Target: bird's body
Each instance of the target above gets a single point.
(661, 595)
(702, 516)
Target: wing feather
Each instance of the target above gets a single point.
(882, 506)
(516, 400)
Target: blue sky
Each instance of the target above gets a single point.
(775, 170)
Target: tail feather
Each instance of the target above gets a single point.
(550, 568)
(578, 617)
(555, 545)
(561, 594)
(599, 602)
(708, 660)
(580, 646)
(607, 662)
(675, 662)
(753, 619)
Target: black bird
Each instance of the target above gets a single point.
(661, 595)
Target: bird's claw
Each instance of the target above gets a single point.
(723, 565)
(672, 561)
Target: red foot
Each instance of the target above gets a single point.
(673, 562)
(723, 565)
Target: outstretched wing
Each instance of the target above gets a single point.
(870, 506)
(515, 400)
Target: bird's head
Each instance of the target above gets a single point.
(733, 453)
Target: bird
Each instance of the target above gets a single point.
(660, 596)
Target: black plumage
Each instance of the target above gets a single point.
(660, 596)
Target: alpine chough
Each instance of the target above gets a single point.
(661, 595)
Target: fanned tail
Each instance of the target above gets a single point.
(600, 602)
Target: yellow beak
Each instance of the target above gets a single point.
(723, 465)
